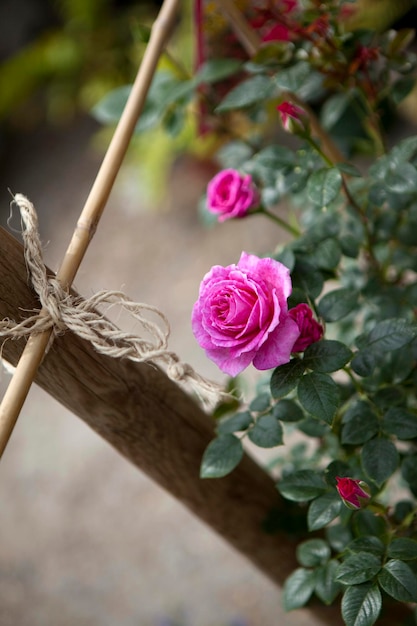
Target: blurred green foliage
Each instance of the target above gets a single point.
(94, 47)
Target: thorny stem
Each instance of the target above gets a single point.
(353, 204)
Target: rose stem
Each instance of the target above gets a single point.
(275, 218)
(35, 348)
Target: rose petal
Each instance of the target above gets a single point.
(277, 348)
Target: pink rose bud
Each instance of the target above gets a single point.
(231, 194)
(310, 330)
(293, 118)
(354, 493)
(241, 315)
(278, 32)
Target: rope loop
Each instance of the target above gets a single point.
(63, 311)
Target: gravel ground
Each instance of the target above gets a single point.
(86, 539)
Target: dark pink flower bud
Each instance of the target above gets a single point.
(354, 493)
(293, 118)
(231, 194)
(310, 330)
(278, 32)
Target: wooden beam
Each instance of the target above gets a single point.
(161, 430)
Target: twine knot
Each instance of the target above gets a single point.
(63, 311)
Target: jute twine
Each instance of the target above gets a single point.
(63, 311)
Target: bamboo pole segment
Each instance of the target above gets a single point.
(32, 356)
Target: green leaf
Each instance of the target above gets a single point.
(221, 456)
(409, 472)
(261, 402)
(311, 427)
(294, 77)
(358, 568)
(276, 157)
(364, 362)
(324, 185)
(110, 108)
(379, 459)
(313, 552)
(286, 377)
(402, 180)
(326, 255)
(367, 523)
(319, 395)
(323, 510)
(372, 545)
(406, 150)
(400, 422)
(252, 91)
(307, 277)
(165, 89)
(298, 588)
(399, 581)
(403, 548)
(348, 168)
(360, 423)
(335, 469)
(235, 423)
(285, 256)
(214, 70)
(337, 304)
(402, 88)
(327, 588)
(338, 536)
(327, 356)
(333, 109)
(361, 605)
(267, 432)
(287, 411)
(389, 335)
(301, 486)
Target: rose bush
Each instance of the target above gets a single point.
(332, 311)
(231, 194)
(241, 315)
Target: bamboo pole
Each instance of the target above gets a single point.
(32, 356)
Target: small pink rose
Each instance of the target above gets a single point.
(310, 330)
(353, 492)
(231, 194)
(241, 315)
(293, 118)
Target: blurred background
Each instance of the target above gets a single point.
(85, 538)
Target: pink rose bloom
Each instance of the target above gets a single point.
(231, 194)
(354, 493)
(241, 315)
(310, 330)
